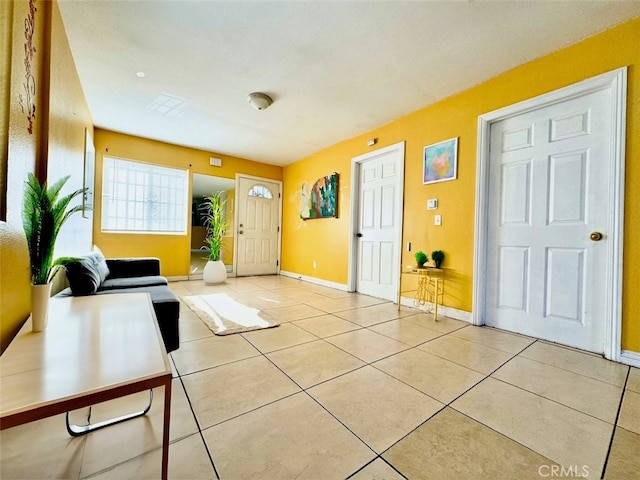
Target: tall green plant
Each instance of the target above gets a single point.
(213, 209)
(43, 214)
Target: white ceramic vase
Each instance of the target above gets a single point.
(214, 272)
(40, 295)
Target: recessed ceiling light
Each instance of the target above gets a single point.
(140, 74)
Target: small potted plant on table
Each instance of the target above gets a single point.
(438, 257)
(421, 259)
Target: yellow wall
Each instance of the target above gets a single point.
(22, 146)
(173, 250)
(55, 148)
(6, 40)
(327, 240)
(15, 293)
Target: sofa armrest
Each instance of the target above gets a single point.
(133, 267)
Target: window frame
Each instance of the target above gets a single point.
(264, 188)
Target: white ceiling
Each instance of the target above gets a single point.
(334, 69)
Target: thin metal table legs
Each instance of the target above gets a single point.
(79, 430)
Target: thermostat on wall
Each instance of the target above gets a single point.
(432, 204)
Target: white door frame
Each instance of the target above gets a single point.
(355, 204)
(235, 216)
(615, 80)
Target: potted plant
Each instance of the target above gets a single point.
(438, 257)
(421, 259)
(213, 210)
(43, 214)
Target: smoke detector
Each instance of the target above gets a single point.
(259, 100)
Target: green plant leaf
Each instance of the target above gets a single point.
(214, 219)
(437, 255)
(42, 218)
(421, 258)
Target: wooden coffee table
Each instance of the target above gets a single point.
(94, 349)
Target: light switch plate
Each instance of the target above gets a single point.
(437, 220)
(432, 204)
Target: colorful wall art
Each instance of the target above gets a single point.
(321, 200)
(440, 161)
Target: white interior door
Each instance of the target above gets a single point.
(547, 207)
(379, 221)
(257, 227)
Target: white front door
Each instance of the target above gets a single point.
(547, 209)
(257, 227)
(379, 221)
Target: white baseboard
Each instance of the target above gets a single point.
(317, 281)
(177, 278)
(442, 310)
(630, 358)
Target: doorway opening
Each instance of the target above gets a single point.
(205, 185)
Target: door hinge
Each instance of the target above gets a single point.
(279, 195)
(277, 263)
(278, 228)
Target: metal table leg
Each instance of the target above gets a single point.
(79, 430)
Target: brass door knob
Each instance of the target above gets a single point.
(595, 236)
(241, 232)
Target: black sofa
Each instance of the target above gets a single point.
(92, 274)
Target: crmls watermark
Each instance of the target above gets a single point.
(562, 471)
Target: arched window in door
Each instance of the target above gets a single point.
(260, 191)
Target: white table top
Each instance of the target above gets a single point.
(91, 344)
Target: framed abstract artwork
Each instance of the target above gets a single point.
(321, 200)
(440, 161)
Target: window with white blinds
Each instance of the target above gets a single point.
(145, 198)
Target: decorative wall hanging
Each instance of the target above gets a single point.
(321, 201)
(440, 161)
(28, 101)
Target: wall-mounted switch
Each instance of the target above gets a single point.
(432, 204)
(437, 220)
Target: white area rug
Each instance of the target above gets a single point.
(225, 315)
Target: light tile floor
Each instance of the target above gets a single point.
(348, 387)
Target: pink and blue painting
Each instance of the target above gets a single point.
(321, 200)
(440, 161)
